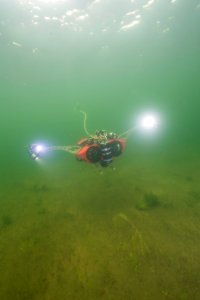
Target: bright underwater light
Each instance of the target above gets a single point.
(35, 150)
(149, 122)
(39, 148)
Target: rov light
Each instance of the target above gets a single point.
(39, 148)
(149, 122)
(35, 151)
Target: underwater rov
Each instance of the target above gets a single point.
(99, 148)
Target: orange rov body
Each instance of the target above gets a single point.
(93, 152)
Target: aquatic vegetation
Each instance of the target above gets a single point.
(195, 195)
(151, 199)
(123, 217)
(42, 211)
(68, 215)
(6, 220)
(147, 202)
(193, 199)
(189, 178)
(138, 189)
(40, 188)
(138, 247)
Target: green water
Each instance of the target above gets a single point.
(66, 230)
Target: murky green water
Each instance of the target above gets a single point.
(66, 230)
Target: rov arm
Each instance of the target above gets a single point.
(127, 133)
(36, 151)
(69, 149)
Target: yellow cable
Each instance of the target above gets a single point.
(84, 122)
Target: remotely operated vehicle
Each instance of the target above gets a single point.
(100, 148)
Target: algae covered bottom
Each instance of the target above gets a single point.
(68, 231)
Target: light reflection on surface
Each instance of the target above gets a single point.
(102, 19)
(98, 15)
